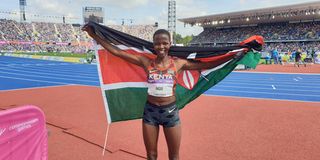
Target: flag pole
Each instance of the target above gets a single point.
(103, 96)
(106, 139)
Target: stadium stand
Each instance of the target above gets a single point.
(56, 37)
(286, 29)
(275, 32)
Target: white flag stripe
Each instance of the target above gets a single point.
(125, 85)
(206, 72)
(237, 50)
(123, 47)
(192, 56)
(185, 79)
(105, 101)
(191, 79)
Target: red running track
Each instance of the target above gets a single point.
(288, 68)
(222, 128)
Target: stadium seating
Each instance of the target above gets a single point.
(56, 37)
(271, 32)
(286, 38)
(59, 37)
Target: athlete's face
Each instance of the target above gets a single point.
(161, 44)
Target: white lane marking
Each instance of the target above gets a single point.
(306, 101)
(34, 64)
(53, 74)
(47, 77)
(282, 84)
(26, 79)
(309, 79)
(225, 90)
(61, 72)
(30, 88)
(265, 87)
(273, 87)
(54, 70)
(277, 73)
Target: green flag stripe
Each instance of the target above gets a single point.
(126, 103)
(184, 96)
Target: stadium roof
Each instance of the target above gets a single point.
(290, 13)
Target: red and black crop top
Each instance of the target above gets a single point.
(162, 81)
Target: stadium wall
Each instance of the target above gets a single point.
(51, 58)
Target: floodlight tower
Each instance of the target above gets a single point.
(172, 18)
(23, 4)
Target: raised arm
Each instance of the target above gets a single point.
(135, 59)
(183, 64)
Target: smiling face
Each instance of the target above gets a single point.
(161, 44)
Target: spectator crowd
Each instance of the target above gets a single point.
(271, 32)
(283, 40)
(56, 37)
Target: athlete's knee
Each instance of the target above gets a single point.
(152, 155)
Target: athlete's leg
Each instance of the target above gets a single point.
(173, 138)
(150, 137)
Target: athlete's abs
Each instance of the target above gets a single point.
(160, 101)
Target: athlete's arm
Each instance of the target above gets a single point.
(183, 64)
(135, 59)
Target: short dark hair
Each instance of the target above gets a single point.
(162, 31)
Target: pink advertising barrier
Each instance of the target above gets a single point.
(23, 134)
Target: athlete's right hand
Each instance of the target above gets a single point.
(89, 30)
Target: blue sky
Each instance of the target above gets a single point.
(140, 11)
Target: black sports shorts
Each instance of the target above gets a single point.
(166, 115)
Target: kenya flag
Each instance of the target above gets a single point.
(124, 85)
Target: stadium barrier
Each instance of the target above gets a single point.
(52, 58)
(23, 134)
(317, 58)
(88, 44)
